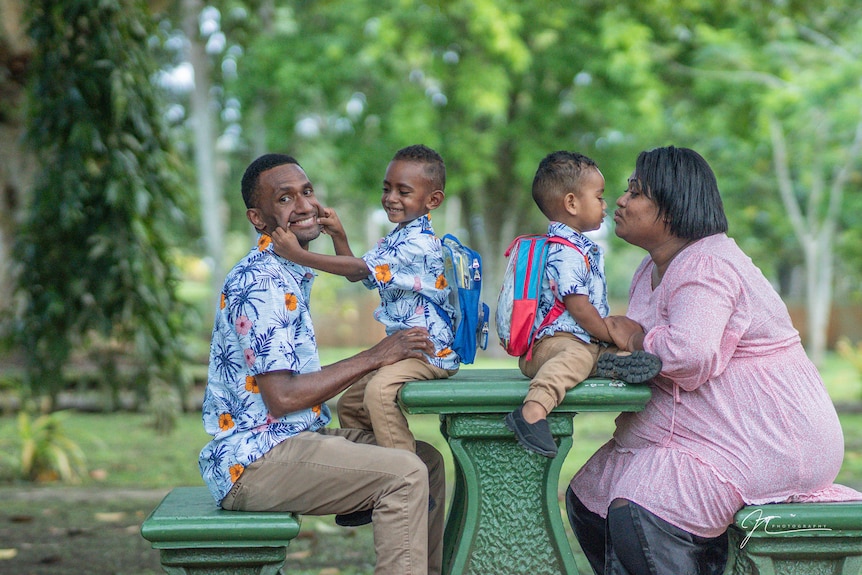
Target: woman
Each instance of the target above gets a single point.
(739, 415)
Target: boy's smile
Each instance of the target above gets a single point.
(407, 192)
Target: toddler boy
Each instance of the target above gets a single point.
(568, 188)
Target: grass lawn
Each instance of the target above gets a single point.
(55, 528)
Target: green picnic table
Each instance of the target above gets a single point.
(504, 515)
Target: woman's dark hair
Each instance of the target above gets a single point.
(251, 177)
(684, 188)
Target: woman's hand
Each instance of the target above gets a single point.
(628, 335)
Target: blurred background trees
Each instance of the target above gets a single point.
(93, 267)
(108, 129)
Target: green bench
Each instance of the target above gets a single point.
(194, 536)
(797, 539)
(504, 516)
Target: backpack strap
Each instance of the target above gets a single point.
(559, 306)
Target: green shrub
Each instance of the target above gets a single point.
(47, 454)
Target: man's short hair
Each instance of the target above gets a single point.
(435, 168)
(558, 173)
(251, 177)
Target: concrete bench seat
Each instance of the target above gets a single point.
(193, 535)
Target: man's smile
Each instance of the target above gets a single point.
(309, 221)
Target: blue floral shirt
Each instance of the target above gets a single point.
(262, 325)
(406, 267)
(568, 273)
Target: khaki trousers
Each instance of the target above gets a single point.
(560, 362)
(337, 471)
(372, 402)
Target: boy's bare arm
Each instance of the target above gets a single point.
(587, 316)
(287, 246)
(333, 228)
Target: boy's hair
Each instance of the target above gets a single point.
(558, 174)
(435, 168)
(251, 177)
(683, 186)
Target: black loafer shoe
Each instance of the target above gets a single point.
(360, 518)
(355, 519)
(534, 437)
(635, 367)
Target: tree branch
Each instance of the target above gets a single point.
(843, 174)
(785, 182)
(734, 76)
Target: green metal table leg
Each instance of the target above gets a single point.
(505, 515)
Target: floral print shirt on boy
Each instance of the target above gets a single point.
(262, 324)
(568, 273)
(407, 270)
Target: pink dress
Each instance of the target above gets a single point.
(739, 415)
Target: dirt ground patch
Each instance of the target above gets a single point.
(93, 531)
(75, 532)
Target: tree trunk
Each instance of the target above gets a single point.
(818, 284)
(212, 206)
(17, 165)
(815, 228)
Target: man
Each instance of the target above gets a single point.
(266, 392)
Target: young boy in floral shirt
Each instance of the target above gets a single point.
(406, 267)
(569, 190)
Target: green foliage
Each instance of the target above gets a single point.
(165, 406)
(123, 450)
(850, 353)
(47, 453)
(740, 65)
(493, 86)
(95, 257)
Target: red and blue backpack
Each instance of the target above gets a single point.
(518, 302)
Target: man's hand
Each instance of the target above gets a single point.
(414, 342)
(285, 392)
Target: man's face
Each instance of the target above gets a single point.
(286, 198)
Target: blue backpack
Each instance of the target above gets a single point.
(462, 268)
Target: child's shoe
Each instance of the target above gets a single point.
(532, 436)
(635, 367)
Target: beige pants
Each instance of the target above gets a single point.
(372, 402)
(341, 471)
(559, 363)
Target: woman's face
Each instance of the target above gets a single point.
(636, 218)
